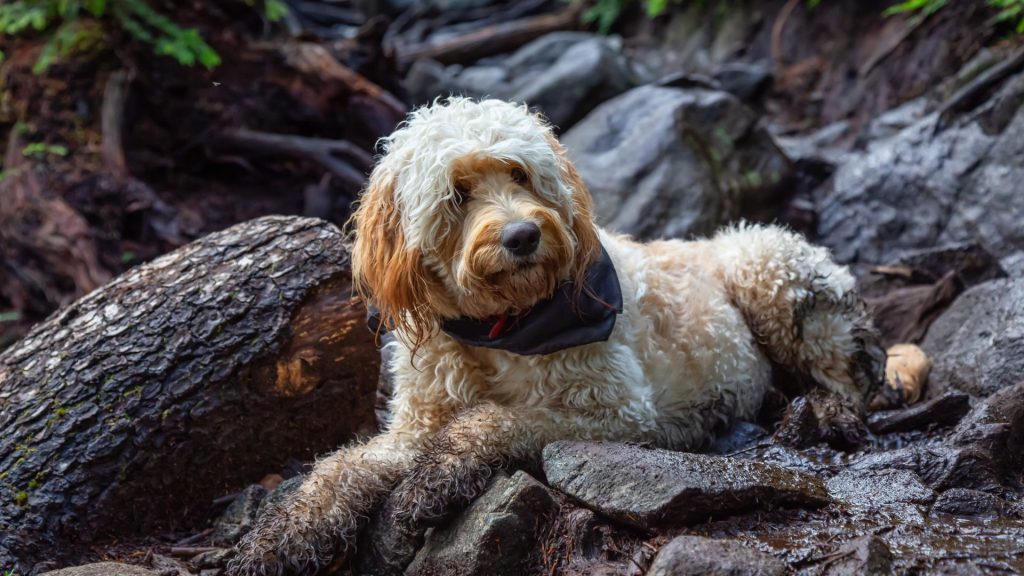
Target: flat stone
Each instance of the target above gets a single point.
(102, 569)
(878, 488)
(495, 536)
(698, 556)
(650, 487)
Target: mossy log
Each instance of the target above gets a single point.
(178, 382)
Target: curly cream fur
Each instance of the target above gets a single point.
(690, 353)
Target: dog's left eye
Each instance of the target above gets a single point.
(519, 176)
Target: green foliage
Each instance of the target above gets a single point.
(76, 26)
(41, 149)
(1007, 10)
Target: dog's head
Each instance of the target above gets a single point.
(474, 210)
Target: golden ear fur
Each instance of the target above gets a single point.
(588, 247)
(385, 270)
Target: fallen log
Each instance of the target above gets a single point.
(183, 379)
(490, 40)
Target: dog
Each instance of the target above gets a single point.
(518, 321)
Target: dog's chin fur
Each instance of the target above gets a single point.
(691, 352)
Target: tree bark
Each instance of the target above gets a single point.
(180, 381)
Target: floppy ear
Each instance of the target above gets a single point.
(588, 247)
(386, 272)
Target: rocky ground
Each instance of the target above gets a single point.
(899, 144)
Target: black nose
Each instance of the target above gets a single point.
(521, 238)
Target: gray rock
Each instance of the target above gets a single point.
(930, 184)
(648, 487)
(1014, 264)
(977, 346)
(239, 516)
(698, 556)
(744, 80)
(668, 162)
(564, 75)
(875, 489)
(495, 536)
(966, 502)
(102, 569)
(865, 556)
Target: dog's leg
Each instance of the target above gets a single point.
(803, 308)
(310, 527)
(307, 528)
(458, 463)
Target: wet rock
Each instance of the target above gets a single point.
(927, 185)
(494, 536)
(102, 569)
(977, 345)
(650, 487)
(697, 556)
(946, 410)
(865, 556)
(666, 162)
(940, 466)
(879, 488)
(564, 75)
(997, 425)
(239, 516)
(742, 436)
(965, 502)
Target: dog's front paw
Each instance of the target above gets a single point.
(438, 488)
(282, 544)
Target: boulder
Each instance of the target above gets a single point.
(977, 346)
(651, 487)
(939, 180)
(564, 75)
(495, 536)
(698, 556)
(670, 162)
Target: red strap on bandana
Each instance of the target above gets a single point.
(499, 326)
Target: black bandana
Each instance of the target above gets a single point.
(563, 321)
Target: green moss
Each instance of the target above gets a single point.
(33, 484)
(133, 391)
(21, 498)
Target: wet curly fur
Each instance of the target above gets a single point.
(692, 351)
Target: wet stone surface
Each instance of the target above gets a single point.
(649, 487)
(697, 556)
